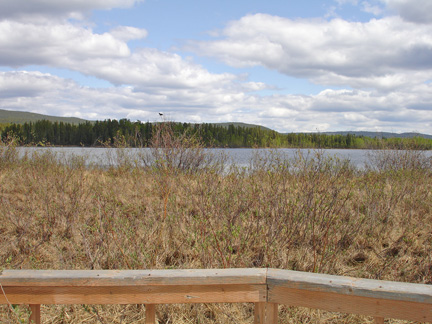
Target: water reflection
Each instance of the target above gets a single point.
(242, 158)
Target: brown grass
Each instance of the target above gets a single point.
(310, 213)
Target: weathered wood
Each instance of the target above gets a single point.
(150, 314)
(259, 315)
(265, 287)
(35, 314)
(376, 307)
(266, 313)
(271, 313)
(379, 289)
(351, 295)
(88, 278)
(136, 294)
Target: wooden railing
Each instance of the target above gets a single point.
(265, 287)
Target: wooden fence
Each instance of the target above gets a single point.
(265, 287)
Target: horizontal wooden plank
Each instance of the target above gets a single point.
(335, 302)
(90, 278)
(349, 286)
(135, 294)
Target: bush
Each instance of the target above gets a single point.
(171, 152)
(8, 151)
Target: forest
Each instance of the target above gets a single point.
(138, 134)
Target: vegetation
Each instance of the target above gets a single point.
(137, 134)
(187, 209)
(21, 117)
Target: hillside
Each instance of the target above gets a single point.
(20, 117)
(241, 125)
(380, 134)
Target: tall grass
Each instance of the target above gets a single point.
(310, 213)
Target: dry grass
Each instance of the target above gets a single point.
(310, 214)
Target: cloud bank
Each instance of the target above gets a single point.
(375, 75)
(383, 53)
(49, 9)
(416, 11)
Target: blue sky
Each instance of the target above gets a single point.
(292, 66)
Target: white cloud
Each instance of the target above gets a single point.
(54, 44)
(329, 110)
(106, 56)
(127, 33)
(383, 83)
(339, 51)
(343, 2)
(26, 9)
(372, 9)
(417, 11)
(24, 84)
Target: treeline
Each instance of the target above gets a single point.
(138, 134)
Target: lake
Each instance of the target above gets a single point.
(240, 157)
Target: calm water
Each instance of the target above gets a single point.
(239, 157)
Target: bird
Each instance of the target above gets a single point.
(160, 114)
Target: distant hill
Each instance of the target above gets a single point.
(241, 125)
(380, 134)
(20, 117)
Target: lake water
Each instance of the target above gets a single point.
(240, 157)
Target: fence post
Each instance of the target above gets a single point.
(35, 314)
(271, 313)
(266, 313)
(259, 314)
(150, 314)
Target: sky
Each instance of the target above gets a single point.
(292, 66)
